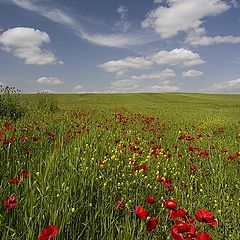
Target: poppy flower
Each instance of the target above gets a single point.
(160, 179)
(203, 236)
(230, 157)
(25, 174)
(144, 167)
(205, 216)
(182, 226)
(10, 201)
(181, 213)
(14, 180)
(176, 234)
(141, 212)
(150, 200)
(119, 203)
(151, 223)
(170, 204)
(48, 232)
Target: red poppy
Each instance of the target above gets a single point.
(151, 223)
(14, 180)
(119, 203)
(160, 179)
(176, 235)
(230, 157)
(25, 174)
(24, 139)
(48, 232)
(144, 167)
(181, 213)
(141, 212)
(171, 204)
(203, 236)
(150, 200)
(205, 216)
(10, 202)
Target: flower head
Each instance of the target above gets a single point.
(151, 223)
(205, 216)
(170, 203)
(141, 212)
(48, 232)
(10, 202)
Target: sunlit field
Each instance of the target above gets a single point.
(122, 166)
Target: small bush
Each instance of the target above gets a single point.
(46, 102)
(11, 104)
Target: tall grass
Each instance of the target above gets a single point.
(80, 160)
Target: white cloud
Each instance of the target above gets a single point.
(120, 40)
(48, 91)
(157, 1)
(49, 81)
(167, 73)
(121, 66)
(123, 24)
(182, 15)
(234, 3)
(164, 88)
(133, 81)
(197, 37)
(178, 56)
(125, 84)
(233, 85)
(25, 43)
(192, 73)
(78, 87)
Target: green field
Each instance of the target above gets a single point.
(100, 155)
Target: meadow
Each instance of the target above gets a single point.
(122, 166)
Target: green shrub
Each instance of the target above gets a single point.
(46, 102)
(11, 104)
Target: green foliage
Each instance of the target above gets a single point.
(11, 104)
(77, 169)
(45, 102)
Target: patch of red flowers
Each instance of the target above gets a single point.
(25, 174)
(48, 232)
(14, 180)
(150, 200)
(205, 216)
(151, 223)
(141, 212)
(10, 201)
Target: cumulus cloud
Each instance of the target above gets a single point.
(192, 73)
(182, 16)
(233, 85)
(26, 43)
(125, 84)
(133, 81)
(159, 75)
(49, 81)
(197, 37)
(178, 56)
(165, 88)
(78, 87)
(122, 65)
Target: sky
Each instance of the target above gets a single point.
(108, 46)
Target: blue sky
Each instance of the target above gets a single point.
(65, 46)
